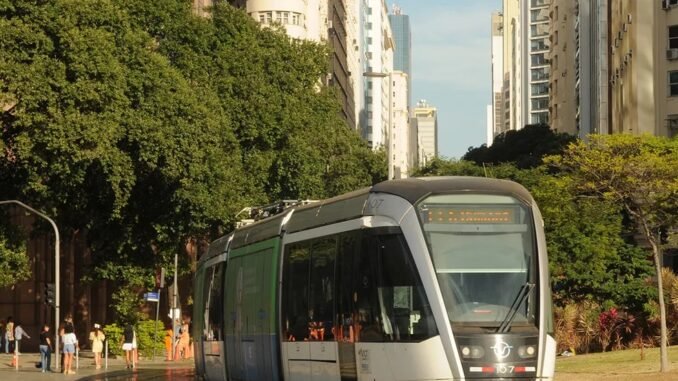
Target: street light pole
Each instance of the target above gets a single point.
(56, 269)
(389, 129)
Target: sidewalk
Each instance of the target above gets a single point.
(86, 370)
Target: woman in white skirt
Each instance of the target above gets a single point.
(128, 345)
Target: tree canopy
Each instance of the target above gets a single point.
(143, 125)
(525, 147)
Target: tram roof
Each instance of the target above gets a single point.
(352, 205)
(414, 189)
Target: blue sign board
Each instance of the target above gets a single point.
(151, 296)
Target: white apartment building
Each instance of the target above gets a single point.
(525, 28)
(400, 130)
(495, 119)
(427, 131)
(378, 63)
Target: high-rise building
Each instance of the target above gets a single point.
(525, 34)
(535, 40)
(378, 42)
(643, 67)
(625, 67)
(427, 131)
(399, 136)
(512, 66)
(402, 55)
(495, 117)
(579, 76)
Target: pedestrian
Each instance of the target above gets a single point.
(169, 333)
(2, 334)
(62, 331)
(9, 335)
(128, 345)
(19, 334)
(70, 346)
(97, 338)
(45, 349)
(182, 346)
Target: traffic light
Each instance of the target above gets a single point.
(49, 294)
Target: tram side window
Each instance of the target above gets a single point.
(295, 308)
(214, 304)
(321, 312)
(346, 321)
(391, 302)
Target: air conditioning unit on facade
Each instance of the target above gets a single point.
(665, 4)
(672, 54)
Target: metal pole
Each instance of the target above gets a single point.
(157, 316)
(174, 304)
(106, 354)
(56, 270)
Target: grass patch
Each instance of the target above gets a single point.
(626, 364)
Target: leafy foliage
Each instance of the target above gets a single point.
(14, 264)
(146, 126)
(525, 147)
(148, 337)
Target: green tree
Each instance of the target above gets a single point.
(525, 147)
(144, 127)
(638, 173)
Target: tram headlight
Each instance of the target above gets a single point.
(472, 352)
(527, 351)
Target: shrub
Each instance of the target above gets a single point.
(146, 339)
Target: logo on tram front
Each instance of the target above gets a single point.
(501, 350)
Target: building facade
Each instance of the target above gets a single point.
(402, 55)
(379, 47)
(427, 131)
(495, 118)
(643, 67)
(399, 136)
(535, 61)
(579, 76)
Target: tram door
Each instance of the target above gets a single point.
(319, 340)
(213, 340)
(250, 333)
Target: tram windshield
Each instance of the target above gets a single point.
(483, 251)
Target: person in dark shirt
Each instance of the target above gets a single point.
(45, 349)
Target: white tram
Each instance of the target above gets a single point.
(417, 279)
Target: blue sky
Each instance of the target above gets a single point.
(451, 66)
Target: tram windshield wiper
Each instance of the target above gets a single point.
(523, 293)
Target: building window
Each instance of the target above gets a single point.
(537, 15)
(539, 44)
(673, 83)
(540, 74)
(285, 18)
(369, 40)
(538, 59)
(269, 17)
(541, 89)
(673, 36)
(295, 18)
(262, 18)
(540, 104)
(539, 3)
(539, 30)
(369, 26)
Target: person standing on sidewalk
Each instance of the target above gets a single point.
(45, 349)
(9, 335)
(19, 334)
(70, 346)
(97, 338)
(128, 345)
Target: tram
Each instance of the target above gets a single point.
(440, 278)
